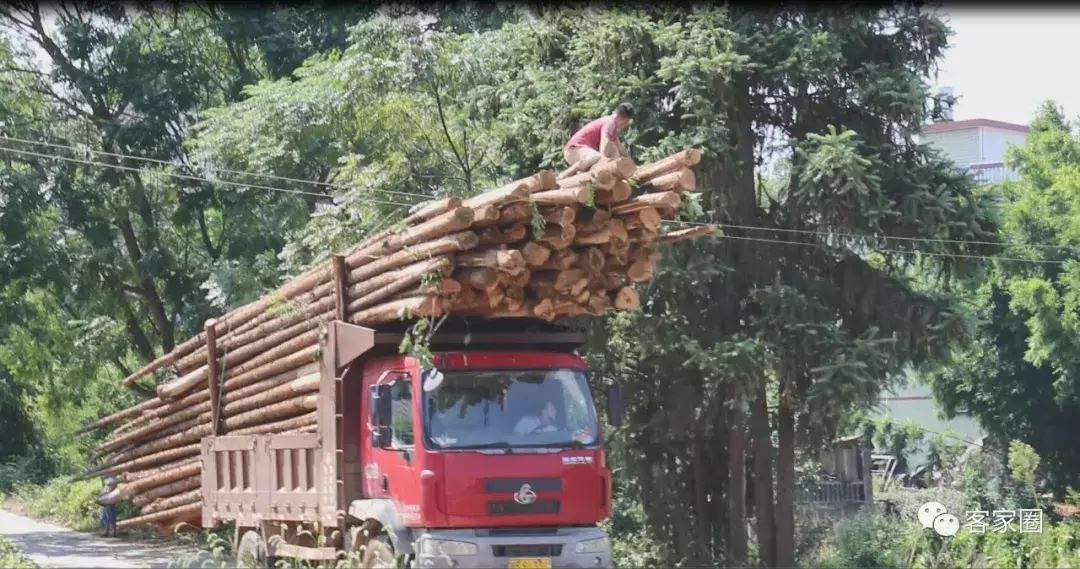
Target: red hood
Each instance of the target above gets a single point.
(477, 490)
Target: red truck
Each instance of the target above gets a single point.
(492, 458)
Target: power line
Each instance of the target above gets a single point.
(871, 236)
(898, 251)
(212, 168)
(187, 177)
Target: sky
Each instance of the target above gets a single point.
(1004, 61)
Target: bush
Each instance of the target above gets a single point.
(61, 500)
(10, 556)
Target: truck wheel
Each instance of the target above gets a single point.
(251, 551)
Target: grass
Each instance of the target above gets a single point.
(10, 556)
(70, 503)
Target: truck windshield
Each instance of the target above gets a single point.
(510, 408)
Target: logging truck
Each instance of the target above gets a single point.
(491, 457)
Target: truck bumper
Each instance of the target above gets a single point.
(569, 547)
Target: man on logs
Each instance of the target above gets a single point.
(596, 140)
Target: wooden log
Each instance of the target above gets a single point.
(564, 215)
(621, 167)
(590, 260)
(514, 213)
(517, 279)
(162, 504)
(398, 310)
(120, 415)
(567, 279)
(559, 237)
(615, 279)
(535, 254)
(301, 357)
(560, 261)
(298, 386)
(436, 248)
(506, 260)
(627, 299)
(449, 223)
(545, 309)
(481, 278)
(677, 181)
(593, 237)
(598, 304)
(565, 196)
(679, 161)
(640, 270)
(649, 218)
(491, 237)
(658, 200)
(369, 293)
(167, 490)
(600, 179)
(617, 229)
(689, 233)
(515, 233)
(428, 210)
(540, 181)
(297, 422)
(486, 215)
(515, 297)
(594, 221)
(513, 192)
(618, 193)
(180, 511)
(149, 460)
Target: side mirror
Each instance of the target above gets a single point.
(615, 407)
(381, 411)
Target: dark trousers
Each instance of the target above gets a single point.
(108, 518)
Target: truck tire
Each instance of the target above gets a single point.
(251, 551)
(377, 553)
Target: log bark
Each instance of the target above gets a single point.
(593, 237)
(301, 357)
(428, 210)
(564, 215)
(486, 215)
(677, 181)
(482, 279)
(565, 196)
(150, 460)
(510, 193)
(621, 167)
(600, 179)
(167, 490)
(507, 260)
(595, 221)
(658, 200)
(678, 161)
(298, 386)
(171, 502)
(619, 192)
(591, 260)
(398, 310)
(451, 222)
(380, 288)
(435, 248)
(185, 511)
(559, 237)
(535, 254)
(121, 415)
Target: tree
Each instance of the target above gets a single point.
(1020, 377)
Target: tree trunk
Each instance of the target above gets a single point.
(785, 474)
(763, 479)
(736, 491)
(683, 159)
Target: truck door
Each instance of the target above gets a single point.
(392, 472)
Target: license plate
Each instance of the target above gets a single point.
(530, 564)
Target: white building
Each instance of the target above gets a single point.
(976, 145)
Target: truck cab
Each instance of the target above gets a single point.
(488, 459)
(491, 455)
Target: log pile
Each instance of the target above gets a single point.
(539, 247)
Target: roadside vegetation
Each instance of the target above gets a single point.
(10, 556)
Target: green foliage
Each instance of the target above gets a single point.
(1027, 329)
(10, 556)
(61, 500)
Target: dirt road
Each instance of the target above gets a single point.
(56, 546)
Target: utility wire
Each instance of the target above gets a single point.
(870, 236)
(187, 177)
(899, 251)
(211, 168)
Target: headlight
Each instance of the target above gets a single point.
(598, 545)
(429, 546)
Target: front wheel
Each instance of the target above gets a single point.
(374, 553)
(252, 551)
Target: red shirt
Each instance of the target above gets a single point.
(589, 135)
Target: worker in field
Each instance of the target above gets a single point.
(108, 511)
(596, 140)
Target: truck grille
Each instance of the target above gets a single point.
(541, 550)
(510, 507)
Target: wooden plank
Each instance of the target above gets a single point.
(341, 299)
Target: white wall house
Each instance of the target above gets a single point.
(977, 145)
